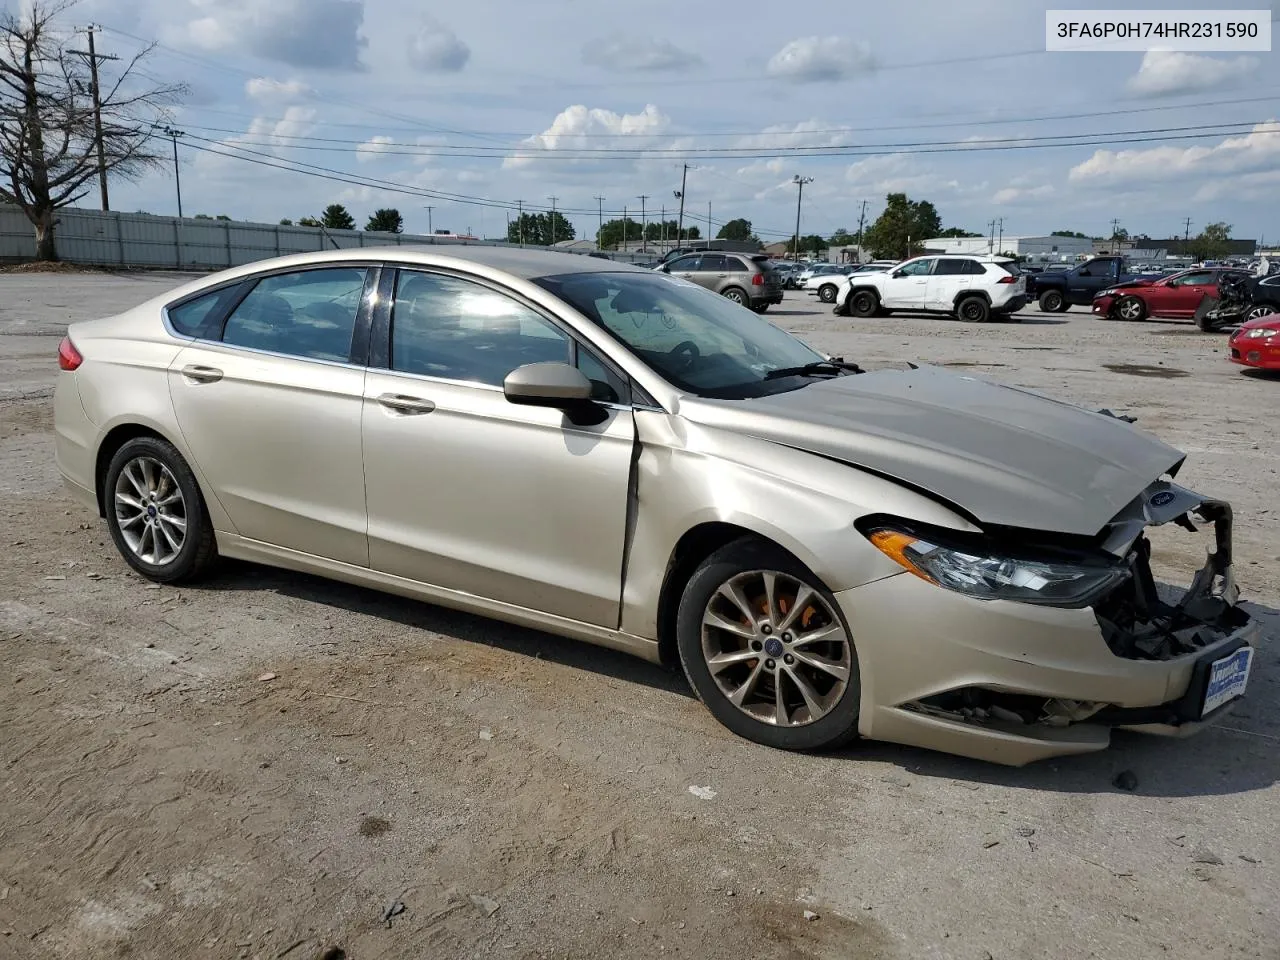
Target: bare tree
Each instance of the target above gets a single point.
(48, 139)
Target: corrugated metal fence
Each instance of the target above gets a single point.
(130, 240)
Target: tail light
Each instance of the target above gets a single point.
(757, 280)
(1007, 280)
(68, 356)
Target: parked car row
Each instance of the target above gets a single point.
(750, 279)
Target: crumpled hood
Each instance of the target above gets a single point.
(1004, 455)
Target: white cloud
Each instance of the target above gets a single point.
(579, 127)
(373, 147)
(626, 53)
(1014, 194)
(1166, 73)
(269, 89)
(434, 48)
(811, 59)
(1257, 150)
(896, 173)
(319, 34)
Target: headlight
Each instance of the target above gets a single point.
(990, 575)
(1257, 333)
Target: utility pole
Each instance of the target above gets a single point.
(992, 242)
(799, 181)
(1000, 242)
(93, 57)
(862, 217)
(644, 232)
(709, 223)
(430, 224)
(552, 217)
(600, 212)
(663, 221)
(624, 228)
(173, 134)
(1115, 233)
(520, 220)
(1186, 237)
(684, 176)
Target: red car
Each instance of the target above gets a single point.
(1257, 343)
(1176, 296)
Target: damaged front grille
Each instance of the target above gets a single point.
(1138, 623)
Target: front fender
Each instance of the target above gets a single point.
(689, 474)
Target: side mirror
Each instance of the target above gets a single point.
(899, 273)
(554, 384)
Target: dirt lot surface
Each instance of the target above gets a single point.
(524, 796)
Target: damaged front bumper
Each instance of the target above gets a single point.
(1014, 682)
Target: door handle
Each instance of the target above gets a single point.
(201, 374)
(404, 404)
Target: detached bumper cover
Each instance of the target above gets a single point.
(1012, 682)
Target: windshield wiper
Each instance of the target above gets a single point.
(832, 367)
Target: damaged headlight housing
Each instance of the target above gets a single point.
(988, 573)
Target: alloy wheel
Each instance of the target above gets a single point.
(1262, 310)
(735, 296)
(775, 648)
(1131, 309)
(150, 511)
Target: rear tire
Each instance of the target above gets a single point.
(1130, 309)
(156, 513)
(737, 296)
(827, 293)
(1051, 301)
(973, 310)
(1258, 312)
(818, 679)
(864, 303)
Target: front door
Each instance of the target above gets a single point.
(469, 492)
(906, 287)
(270, 407)
(1185, 293)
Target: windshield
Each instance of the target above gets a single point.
(694, 339)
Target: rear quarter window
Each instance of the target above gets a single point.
(194, 318)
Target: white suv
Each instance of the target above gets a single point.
(973, 288)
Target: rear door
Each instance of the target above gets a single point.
(269, 404)
(686, 268)
(713, 272)
(950, 277)
(906, 287)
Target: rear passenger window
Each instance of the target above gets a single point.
(311, 314)
(952, 268)
(735, 265)
(713, 263)
(447, 327)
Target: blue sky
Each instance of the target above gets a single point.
(386, 86)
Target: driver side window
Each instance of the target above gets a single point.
(917, 268)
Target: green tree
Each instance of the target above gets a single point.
(958, 232)
(1069, 233)
(1211, 242)
(543, 229)
(811, 243)
(309, 222)
(610, 235)
(904, 223)
(202, 216)
(223, 217)
(739, 229)
(336, 217)
(843, 238)
(385, 220)
(286, 222)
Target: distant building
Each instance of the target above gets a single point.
(1035, 249)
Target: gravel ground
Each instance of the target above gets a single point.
(525, 796)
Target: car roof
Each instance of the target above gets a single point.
(522, 262)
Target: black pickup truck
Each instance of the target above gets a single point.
(1057, 290)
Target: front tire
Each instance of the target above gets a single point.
(156, 514)
(1051, 301)
(1131, 309)
(765, 647)
(864, 303)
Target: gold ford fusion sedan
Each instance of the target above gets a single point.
(625, 458)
